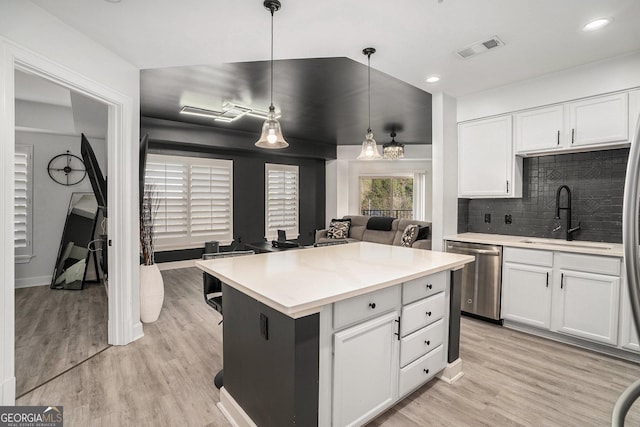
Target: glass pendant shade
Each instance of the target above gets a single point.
(271, 136)
(369, 148)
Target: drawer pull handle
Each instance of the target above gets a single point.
(426, 371)
(372, 305)
(427, 342)
(428, 313)
(429, 286)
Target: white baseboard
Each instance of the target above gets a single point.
(452, 372)
(232, 411)
(176, 264)
(29, 282)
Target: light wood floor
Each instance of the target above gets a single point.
(56, 330)
(165, 378)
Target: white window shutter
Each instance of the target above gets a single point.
(282, 200)
(21, 198)
(195, 200)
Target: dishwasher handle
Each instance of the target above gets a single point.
(472, 251)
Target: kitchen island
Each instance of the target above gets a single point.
(333, 335)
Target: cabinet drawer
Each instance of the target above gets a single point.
(365, 306)
(528, 256)
(421, 342)
(422, 313)
(423, 287)
(421, 371)
(589, 263)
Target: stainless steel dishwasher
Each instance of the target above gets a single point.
(481, 280)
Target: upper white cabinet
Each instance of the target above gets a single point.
(539, 129)
(634, 113)
(599, 120)
(487, 166)
(588, 124)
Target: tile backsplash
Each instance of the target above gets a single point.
(596, 180)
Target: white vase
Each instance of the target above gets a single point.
(151, 293)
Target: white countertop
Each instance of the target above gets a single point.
(575, 246)
(298, 283)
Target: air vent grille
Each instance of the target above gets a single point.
(479, 47)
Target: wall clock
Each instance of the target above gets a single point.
(66, 169)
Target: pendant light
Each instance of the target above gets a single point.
(393, 150)
(369, 147)
(271, 136)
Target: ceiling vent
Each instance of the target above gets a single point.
(479, 47)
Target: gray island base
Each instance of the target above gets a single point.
(334, 336)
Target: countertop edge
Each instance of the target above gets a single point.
(516, 242)
(301, 310)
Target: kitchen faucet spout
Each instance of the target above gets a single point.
(570, 230)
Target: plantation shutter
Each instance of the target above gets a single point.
(22, 199)
(281, 200)
(194, 198)
(211, 200)
(167, 180)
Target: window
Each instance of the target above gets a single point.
(23, 206)
(194, 200)
(281, 200)
(387, 196)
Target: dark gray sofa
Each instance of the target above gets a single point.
(359, 232)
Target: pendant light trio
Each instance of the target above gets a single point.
(272, 138)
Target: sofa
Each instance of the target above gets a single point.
(358, 231)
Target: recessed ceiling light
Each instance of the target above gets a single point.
(596, 24)
(433, 79)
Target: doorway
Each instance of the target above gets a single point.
(56, 329)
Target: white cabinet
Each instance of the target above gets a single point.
(634, 113)
(587, 305)
(487, 166)
(628, 335)
(599, 120)
(539, 129)
(366, 366)
(526, 294)
(569, 293)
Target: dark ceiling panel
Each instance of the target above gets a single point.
(323, 99)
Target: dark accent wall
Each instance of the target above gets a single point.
(248, 187)
(596, 180)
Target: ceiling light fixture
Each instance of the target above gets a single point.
(393, 150)
(369, 147)
(596, 24)
(230, 112)
(271, 136)
(433, 79)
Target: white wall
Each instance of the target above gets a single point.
(33, 38)
(596, 78)
(445, 168)
(50, 202)
(343, 183)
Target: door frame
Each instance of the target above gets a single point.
(122, 194)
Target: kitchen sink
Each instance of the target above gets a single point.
(569, 244)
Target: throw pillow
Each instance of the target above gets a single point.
(339, 229)
(423, 232)
(409, 235)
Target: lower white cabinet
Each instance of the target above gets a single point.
(628, 335)
(526, 294)
(365, 374)
(587, 305)
(568, 293)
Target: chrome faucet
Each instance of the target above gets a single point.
(567, 208)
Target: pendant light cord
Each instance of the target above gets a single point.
(272, 56)
(369, 88)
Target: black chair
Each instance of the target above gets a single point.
(212, 287)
